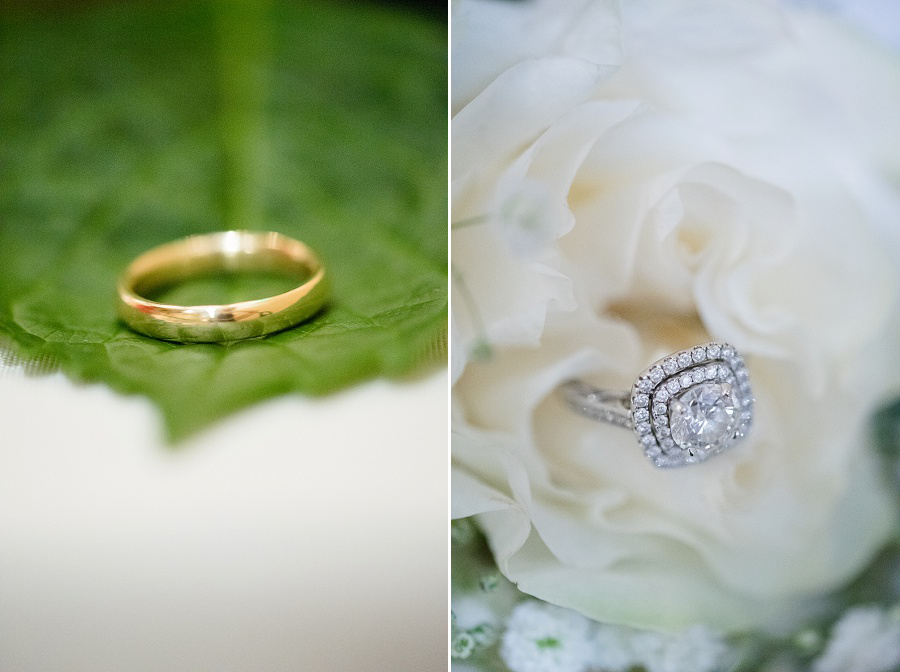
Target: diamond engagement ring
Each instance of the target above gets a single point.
(683, 409)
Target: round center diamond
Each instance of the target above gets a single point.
(704, 416)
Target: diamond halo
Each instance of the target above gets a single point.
(691, 405)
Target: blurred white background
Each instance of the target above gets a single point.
(298, 535)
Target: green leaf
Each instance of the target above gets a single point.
(123, 127)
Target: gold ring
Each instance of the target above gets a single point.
(229, 252)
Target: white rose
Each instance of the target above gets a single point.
(628, 181)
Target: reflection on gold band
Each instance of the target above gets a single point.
(229, 251)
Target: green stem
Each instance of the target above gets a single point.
(244, 45)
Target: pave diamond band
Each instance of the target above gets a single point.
(683, 409)
(610, 406)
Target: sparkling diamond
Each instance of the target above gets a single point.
(699, 354)
(673, 386)
(645, 385)
(712, 371)
(713, 350)
(641, 415)
(640, 400)
(698, 375)
(670, 366)
(684, 359)
(659, 409)
(704, 416)
(685, 380)
(643, 427)
(656, 374)
(662, 395)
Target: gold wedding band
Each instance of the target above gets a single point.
(229, 252)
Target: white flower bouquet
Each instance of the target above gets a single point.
(630, 179)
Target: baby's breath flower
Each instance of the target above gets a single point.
(469, 612)
(698, 649)
(543, 638)
(473, 626)
(612, 649)
(463, 645)
(865, 639)
(489, 582)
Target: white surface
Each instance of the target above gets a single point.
(299, 535)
